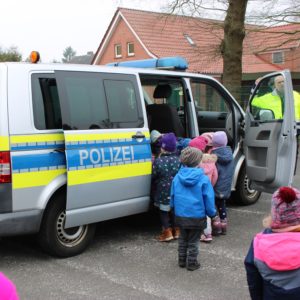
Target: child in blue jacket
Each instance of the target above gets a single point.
(192, 197)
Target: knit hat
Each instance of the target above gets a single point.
(182, 143)
(198, 142)
(208, 136)
(154, 136)
(219, 139)
(285, 210)
(168, 142)
(191, 157)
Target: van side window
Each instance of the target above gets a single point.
(98, 100)
(45, 101)
(86, 103)
(121, 100)
(208, 98)
(212, 108)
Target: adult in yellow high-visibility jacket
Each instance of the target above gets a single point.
(274, 100)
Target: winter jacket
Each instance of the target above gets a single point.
(273, 102)
(192, 197)
(225, 167)
(165, 168)
(273, 266)
(208, 164)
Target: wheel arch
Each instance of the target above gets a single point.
(50, 190)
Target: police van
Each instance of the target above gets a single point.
(75, 143)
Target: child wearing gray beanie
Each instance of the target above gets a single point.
(192, 198)
(191, 157)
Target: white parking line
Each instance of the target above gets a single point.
(256, 212)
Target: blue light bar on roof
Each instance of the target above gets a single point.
(171, 63)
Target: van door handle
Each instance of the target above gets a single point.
(138, 136)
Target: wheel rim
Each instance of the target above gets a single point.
(250, 192)
(69, 237)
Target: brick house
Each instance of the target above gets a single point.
(136, 34)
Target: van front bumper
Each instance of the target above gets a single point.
(22, 222)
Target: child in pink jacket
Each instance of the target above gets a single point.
(208, 164)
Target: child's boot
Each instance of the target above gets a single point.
(192, 265)
(166, 235)
(216, 226)
(224, 226)
(182, 261)
(176, 233)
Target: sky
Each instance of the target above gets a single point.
(51, 26)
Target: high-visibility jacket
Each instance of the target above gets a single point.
(273, 102)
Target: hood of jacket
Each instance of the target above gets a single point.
(190, 176)
(224, 154)
(209, 158)
(279, 251)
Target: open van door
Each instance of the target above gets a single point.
(270, 144)
(107, 146)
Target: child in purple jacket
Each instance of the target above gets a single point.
(225, 167)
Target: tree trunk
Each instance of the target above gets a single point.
(232, 46)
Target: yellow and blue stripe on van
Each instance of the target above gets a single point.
(31, 166)
(91, 158)
(101, 157)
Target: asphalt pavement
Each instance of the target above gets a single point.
(126, 262)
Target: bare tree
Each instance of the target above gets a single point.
(237, 15)
(231, 44)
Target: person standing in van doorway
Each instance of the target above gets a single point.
(165, 167)
(225, 167)
(274, 101)
(192, 198)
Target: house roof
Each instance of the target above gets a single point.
(198, 40)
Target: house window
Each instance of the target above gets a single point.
(130, 49)
(118, 50)
(277, 57)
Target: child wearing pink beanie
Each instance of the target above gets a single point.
(208, 164)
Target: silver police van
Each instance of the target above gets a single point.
(75, 143)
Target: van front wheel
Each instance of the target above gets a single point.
(243, 194)
(59, 241)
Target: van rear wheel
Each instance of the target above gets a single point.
(243, 194)
(59, 241)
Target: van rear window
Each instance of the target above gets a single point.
(46, 107)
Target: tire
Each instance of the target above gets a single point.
(243, 194)
(56, 240)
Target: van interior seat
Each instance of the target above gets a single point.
(164, 118)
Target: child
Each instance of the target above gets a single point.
(225, 167)
(208, 164)
(7, 289)
(181, 144)
(273, 261)
(192, 198)
(155, 138)
(165, 167)
(208, 136)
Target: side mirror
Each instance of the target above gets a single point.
(266, 115)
